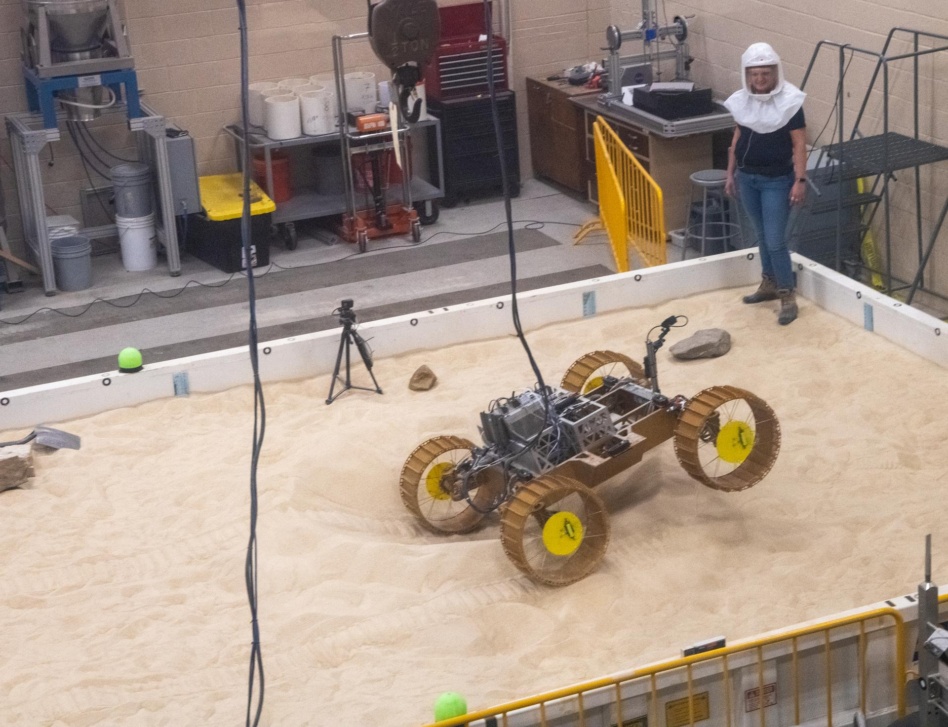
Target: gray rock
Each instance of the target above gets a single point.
(16, 465)
(706, 343)
(423, 379)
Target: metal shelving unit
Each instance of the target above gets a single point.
(307, 202)
(28, 137)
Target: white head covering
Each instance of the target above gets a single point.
(764, 112)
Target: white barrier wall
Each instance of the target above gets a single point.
(314, 354)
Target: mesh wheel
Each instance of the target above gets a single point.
(555, 530)
(587, 372)
(727, 438)
(423, 492)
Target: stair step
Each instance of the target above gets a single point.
(872, 155)
(827, 233)
(853, 200)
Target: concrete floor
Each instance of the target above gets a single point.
(50, 338)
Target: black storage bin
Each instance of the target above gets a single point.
(219, 243)
(469, 145)
(214, 233)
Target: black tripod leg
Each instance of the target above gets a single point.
(335, 372)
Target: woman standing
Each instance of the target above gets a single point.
(767, 167)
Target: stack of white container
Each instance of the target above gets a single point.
(308, 106)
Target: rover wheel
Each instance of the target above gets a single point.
(555, 530)
(422, 486)
(727, 438)
(587, 372)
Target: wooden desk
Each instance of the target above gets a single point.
(669, 155)
(557, 144)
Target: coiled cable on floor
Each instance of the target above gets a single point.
(259, 409)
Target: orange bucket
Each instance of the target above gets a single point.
(280, 166)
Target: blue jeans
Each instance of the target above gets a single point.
(767, 202)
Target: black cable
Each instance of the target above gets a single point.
(508, 215)
(85, 165)
(259, 409)
(86, 151)
(83, 126)
(273, 266)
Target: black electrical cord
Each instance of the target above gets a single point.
(273, 266)
(508, 214)
(84, 127)
(259, 410)
(86, 164)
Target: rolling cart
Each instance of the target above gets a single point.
(392, 206)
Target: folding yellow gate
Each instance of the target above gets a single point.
(631, 208)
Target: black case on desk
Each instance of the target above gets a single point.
(673, 104)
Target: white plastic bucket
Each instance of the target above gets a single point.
(264, 95)
(328, 81)
(361, 92)
(255, 100)
(290, 83)
(283, 117)
(316, 110)
(139, 242)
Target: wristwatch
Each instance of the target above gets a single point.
(801, 179)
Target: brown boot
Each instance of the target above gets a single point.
(766, 291)
(788, 307)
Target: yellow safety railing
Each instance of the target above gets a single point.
(631, 208)
(721, 662)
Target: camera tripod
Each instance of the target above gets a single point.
(350, 336)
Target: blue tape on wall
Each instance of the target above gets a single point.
(589, 304)
(867, 322)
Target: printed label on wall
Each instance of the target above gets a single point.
(677, 713)
(752, 697)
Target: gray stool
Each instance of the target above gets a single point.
(713, 227)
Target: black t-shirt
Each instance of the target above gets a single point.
(769, 154)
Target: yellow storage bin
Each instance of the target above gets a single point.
(222, 197)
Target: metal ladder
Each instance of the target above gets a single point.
(876, 158)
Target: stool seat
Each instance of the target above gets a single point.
(715, 210)
(709, 177)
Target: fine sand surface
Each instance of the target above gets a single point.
(123, 602)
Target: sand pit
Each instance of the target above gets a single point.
(123, 598)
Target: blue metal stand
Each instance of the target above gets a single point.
(40, 92)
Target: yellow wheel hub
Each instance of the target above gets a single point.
(562, 533)
(594, 383)
(433, 480)
(735, 441)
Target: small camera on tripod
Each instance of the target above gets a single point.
(347, 319)
(346, 312)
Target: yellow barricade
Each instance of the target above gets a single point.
(631, 207)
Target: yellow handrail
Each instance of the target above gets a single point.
(790, 637)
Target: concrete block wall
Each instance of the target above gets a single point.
(187, 58)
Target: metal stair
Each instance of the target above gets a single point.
(875, 159)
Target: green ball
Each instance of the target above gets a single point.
(448, 705)
(130, 360)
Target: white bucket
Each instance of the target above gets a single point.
(255, 101)
(264, 95)
(283, 117)
(316, 110)
(361, 92)
(290, 83)
(139, 242)
(328, 81)
(300, 90)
